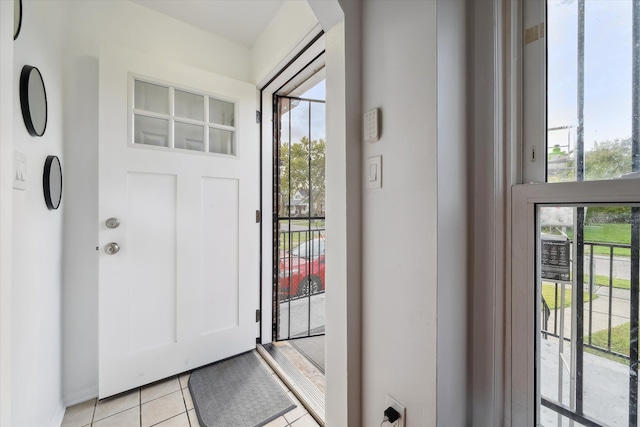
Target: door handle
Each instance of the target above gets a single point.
(112, 248)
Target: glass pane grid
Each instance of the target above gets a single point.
(173, 118)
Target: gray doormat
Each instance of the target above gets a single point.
(238, 392)
(312, 348)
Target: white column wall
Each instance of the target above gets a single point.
(38, 232)
(6, 205)
(399, 221)
(454, 219)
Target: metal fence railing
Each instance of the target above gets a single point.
(617, 270)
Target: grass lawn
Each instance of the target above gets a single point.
(619, 342)
(604, 281)
(293, 239)
(548, 293)
(607, 233)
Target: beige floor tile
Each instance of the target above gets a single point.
(306, 421)
(119, 403)
(193, 418)
(162, 409)
(79, 415)
(187, 398)
(296, 413)
(184, 380)
(278, 422)
(159, 389)
(181, 420)
(128, 418)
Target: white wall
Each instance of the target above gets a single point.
(90, 24)
(38, 237)
(454, 304)
(399, 221)
(6, 205)
(291, 24)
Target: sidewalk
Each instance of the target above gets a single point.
(606, 387)
(620, 306)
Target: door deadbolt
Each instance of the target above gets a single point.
(111, 248)
(113, 223)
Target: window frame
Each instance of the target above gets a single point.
(520, 394)
(525, 200)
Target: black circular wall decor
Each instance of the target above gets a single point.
(52, 182)
(17, 18)
(33, 100)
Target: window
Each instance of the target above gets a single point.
(576, 234)
(176, 118)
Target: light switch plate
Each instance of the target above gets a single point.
(373, 172)
(371, 129)
(19, 170)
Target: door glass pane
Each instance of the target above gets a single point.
(151, 131)
(189, 137)
(221, 112)
(222, 141)
(587, 311)
(589, 89)
(189, 105)
(151, 97)
(300, 169)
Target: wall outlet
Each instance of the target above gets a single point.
(398, 407)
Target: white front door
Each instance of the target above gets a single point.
(181, 291)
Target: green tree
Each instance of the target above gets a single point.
(295, 161)
(608, 159)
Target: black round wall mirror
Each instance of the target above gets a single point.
(17, 18)
(52, 182)
(33, 100)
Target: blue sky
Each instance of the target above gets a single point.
(607, 111)
(300, 116)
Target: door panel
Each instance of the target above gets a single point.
(151, 260)
(182, 290)
(219, 262)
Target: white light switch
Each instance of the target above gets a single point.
(373, 172)
(19, 170)
(371, 129)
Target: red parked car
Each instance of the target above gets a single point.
(302, 269)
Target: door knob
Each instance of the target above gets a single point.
(111, 248)
(113, 223)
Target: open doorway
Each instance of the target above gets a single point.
(299, 214)
(298, 228)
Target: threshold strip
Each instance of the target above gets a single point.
(301, 386)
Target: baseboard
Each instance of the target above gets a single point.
(81, 396)
(56, 421)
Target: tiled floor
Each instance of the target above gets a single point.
(167, 404)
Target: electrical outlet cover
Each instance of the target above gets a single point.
(398, 407)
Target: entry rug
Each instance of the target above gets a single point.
(237, 392)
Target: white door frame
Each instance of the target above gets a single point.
(267, 169)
